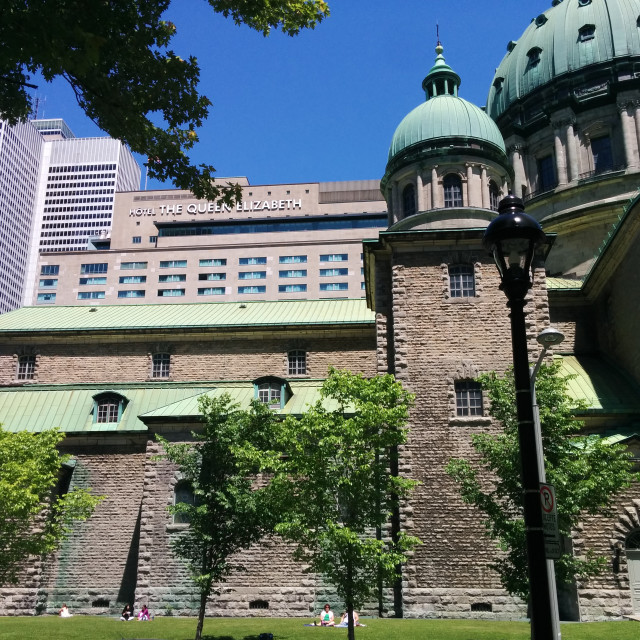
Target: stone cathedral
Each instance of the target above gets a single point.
(561, 130)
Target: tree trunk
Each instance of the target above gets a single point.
(351, 632)
(203, 606)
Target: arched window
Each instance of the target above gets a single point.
(183, 494)
(160, 365)
(108, 407)
(452, 190)
(272, 391)
(297, 360)
(494, 195)
(534, 56)
(409, 200)
(633, 540)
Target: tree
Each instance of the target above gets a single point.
(586, 473)
(116, 58)
(231, 511)
(337, 484)
(33, 519)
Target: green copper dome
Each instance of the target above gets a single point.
(445, 118)
(568, 37)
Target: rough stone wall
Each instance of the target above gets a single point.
(271, 575)
(438, 340)
(236, 358)
(97, 564)
(608, 596)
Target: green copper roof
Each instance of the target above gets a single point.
(563, 283)
(603, 387)
(562, 49)
(186, 316)
(444, 116)
(70, 408)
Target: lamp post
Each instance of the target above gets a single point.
(512, 238)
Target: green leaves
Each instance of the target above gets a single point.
(586, 474)
(337, 485)
(34, 520)
(116, 57)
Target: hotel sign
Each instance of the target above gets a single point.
(195, 208)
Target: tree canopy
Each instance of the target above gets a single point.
(586, 472)
(230, 512)
(339, 486)
(116, 56)
(34, 517)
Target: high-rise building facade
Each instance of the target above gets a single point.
(56, 192)
(20, 152)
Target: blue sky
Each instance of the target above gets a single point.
(323, 106)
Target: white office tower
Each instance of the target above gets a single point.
(78, 180)
(20, 151)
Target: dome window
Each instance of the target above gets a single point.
(541, 19)
(555, 3)
(511, 45)
(588, 32)
(408, 200)
(452, 190)
(583, 3)
(534, 56)
(498, 83)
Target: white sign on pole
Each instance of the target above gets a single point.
(552, 541)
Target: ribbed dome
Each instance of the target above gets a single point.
(444, 116)
(571, 35)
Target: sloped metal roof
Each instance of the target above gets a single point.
(186, 316)
(604, 387)
(563, 283)
(70, 409)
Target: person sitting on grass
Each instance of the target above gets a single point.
(127, 614)
(64, 612)
(344, 621)
(144, 613)
(326, 617)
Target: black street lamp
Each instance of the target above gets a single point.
(512, 238)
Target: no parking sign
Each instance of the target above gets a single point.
(552, 541)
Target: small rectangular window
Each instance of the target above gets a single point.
(169, 293)
(334, 257)
(334, 286)
(134, 293)
(468, 398)
(294, 273)
(49, 269)
(333, 272)
(211, 291)
(136, 239)
(95, 267)
(260, 260)
(132, 279)
(46, 298)
(173, 277)
(48, 283)
(133, 265)
(292, 288)
(252, 275)
(292, 259)
(462, 281)
(173, 264)
(95, 280)
(546, 174)
(254, 289)
(153, 239)
(297, 362)
(213, 262)
(26, 368)
(160, 365)
(212, 276)
(91, 295)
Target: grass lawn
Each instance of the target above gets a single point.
(101, 628)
